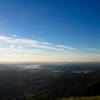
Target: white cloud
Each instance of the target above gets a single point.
(14, 35)
(94, 49)
(46, 47)
(12, 46)
(66, 47)
(3, 38)
(16, 42)
(18, 48)
(46, 43)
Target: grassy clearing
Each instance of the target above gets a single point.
(82, 98)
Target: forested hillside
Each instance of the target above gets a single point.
(49, 82)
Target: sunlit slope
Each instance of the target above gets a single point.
(82, 98)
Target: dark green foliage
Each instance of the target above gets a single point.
(45, 84)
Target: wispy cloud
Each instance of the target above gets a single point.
(46, 43)
(46, 47)
(94, 49)
(15, 42)
(13, 48)
(14, 35)
(66, 47)
(19, 50)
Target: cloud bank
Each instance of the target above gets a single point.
(14, 49)
(14, 42)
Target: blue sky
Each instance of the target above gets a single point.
(50, 30)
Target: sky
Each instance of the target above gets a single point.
(49, 30)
